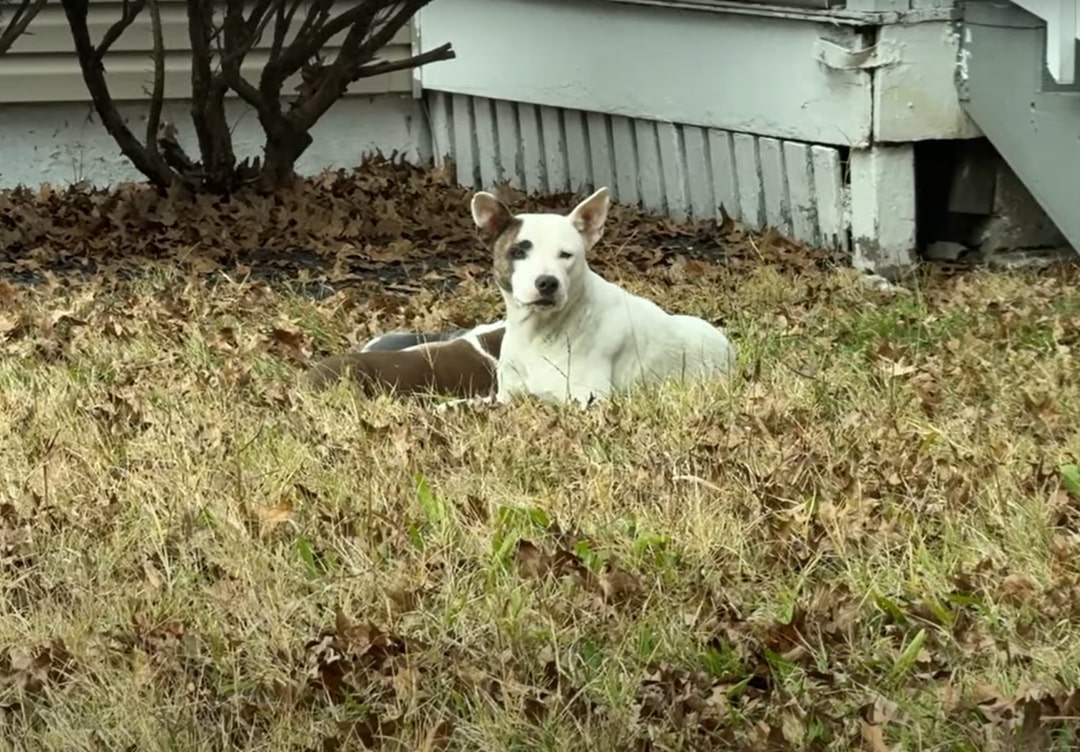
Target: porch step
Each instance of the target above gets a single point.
(1031, 120)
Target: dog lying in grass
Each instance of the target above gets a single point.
(569, 335)
(572, 336)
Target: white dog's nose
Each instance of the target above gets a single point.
(546, 284)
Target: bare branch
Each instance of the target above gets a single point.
(257, 23)
(157, 97)
(369, 25)
(307, 43)
(258, 18)
(208, 96)
(282, 21)
(244, 89)
(149, 163)
(390, 27)
(346, 68)
(239, 40)
(316, 16)
(24, 14)
(442, 52)
(131, 9)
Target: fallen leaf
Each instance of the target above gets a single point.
(529, 559)
(272, 516)
(618, 585)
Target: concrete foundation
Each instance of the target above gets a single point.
(1016, 222)
(64, 144)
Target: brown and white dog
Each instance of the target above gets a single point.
(457, 364)
(571, 335)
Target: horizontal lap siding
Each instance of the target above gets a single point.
(41, 65)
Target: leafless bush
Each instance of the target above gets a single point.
(223, 33)
(15, 23)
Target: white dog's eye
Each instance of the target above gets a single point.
(565, 255)
(517, 253)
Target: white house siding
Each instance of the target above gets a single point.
(743, 73)
(683, 170)
(49, 132)
(64, 143)
(41, 65)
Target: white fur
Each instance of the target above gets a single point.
(473, 338)
(595, 338)
(376, 340)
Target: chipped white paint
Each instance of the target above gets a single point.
(461, 119)
(673, 170)
(648, 163)
(602, 166)
(532, 149)
(860, 57)
(801, 196)
(485, 127)
(626, 171)
(965, 55)
(748, 180)
(551, 130)
(774, 185)
(506, 131)
(681, 170)
(883, 208)
(915, 97)
(577, 148)
(829, 182)
(724, 176)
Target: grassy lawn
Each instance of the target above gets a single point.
(869, 541)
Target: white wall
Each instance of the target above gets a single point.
(750, 73)
(64, 143)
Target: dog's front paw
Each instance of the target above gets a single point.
(444, 407)
(457, 404)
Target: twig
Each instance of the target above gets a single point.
(355, 51)
(443, 52)
(258, 19)
(131, 9)
(149, 163)
(282, 22)
(22, 17)
(157, 97)
(317, 14)
(308, 42)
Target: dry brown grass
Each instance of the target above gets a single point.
(867, 541)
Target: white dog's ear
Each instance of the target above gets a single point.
(589, 216)
(490, 215)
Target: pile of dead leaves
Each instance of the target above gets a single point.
(385, 218)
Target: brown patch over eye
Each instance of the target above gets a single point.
(503, 264)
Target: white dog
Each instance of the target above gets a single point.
(570, 334)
